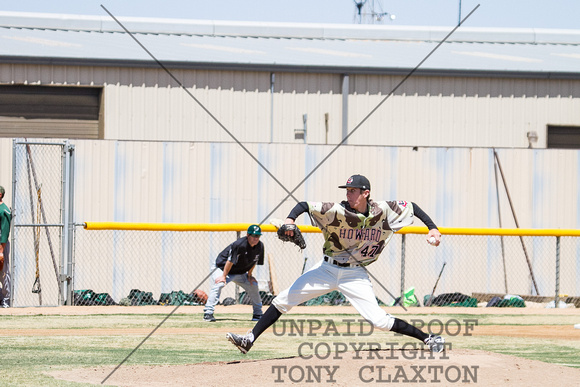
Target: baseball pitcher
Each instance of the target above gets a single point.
(355, 232)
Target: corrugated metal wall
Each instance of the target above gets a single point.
(146, 104)
(313, 95)
(472, 112)
(143, 181)
(222, 182)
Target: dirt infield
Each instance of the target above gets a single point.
(409, 367)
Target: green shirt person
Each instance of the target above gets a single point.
(5, 218)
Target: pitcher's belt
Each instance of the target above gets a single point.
(336, 263)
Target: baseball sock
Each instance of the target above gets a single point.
(407, 329)
(269, 318)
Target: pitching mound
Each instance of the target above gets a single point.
(409, 366)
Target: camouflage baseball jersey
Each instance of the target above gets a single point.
(353, 237)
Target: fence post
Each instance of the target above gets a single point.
(67, 204)
(13, 233)
(71, 226)
(403, 266)
(556, 298)
(237, 293)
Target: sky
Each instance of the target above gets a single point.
(554, 14)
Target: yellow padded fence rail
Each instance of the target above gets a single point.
(312, 229)
(554, 232)
(184, 226)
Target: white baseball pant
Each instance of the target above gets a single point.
(324, 277)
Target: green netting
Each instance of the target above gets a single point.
(179, 297)
(87, 297)
(470, 303)
(332, 298)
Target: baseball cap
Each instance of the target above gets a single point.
(254, 229)
(357, 181)
(2, 192)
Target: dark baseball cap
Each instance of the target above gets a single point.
(254, 229)
(357, 181)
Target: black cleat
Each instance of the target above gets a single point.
(208, 317)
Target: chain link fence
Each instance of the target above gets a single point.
(39, 181)
(472, 268)
(160, 262)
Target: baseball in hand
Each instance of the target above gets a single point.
(432, 240)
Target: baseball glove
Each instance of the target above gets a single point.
(297, 238)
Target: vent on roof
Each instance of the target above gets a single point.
(49, 111)
(566, 137)
(76, 103)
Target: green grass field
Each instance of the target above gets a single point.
(35, 344)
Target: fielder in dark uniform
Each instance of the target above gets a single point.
(235, 264)
(355, 231)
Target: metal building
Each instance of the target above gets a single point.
(286, 83)
(200, 127)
